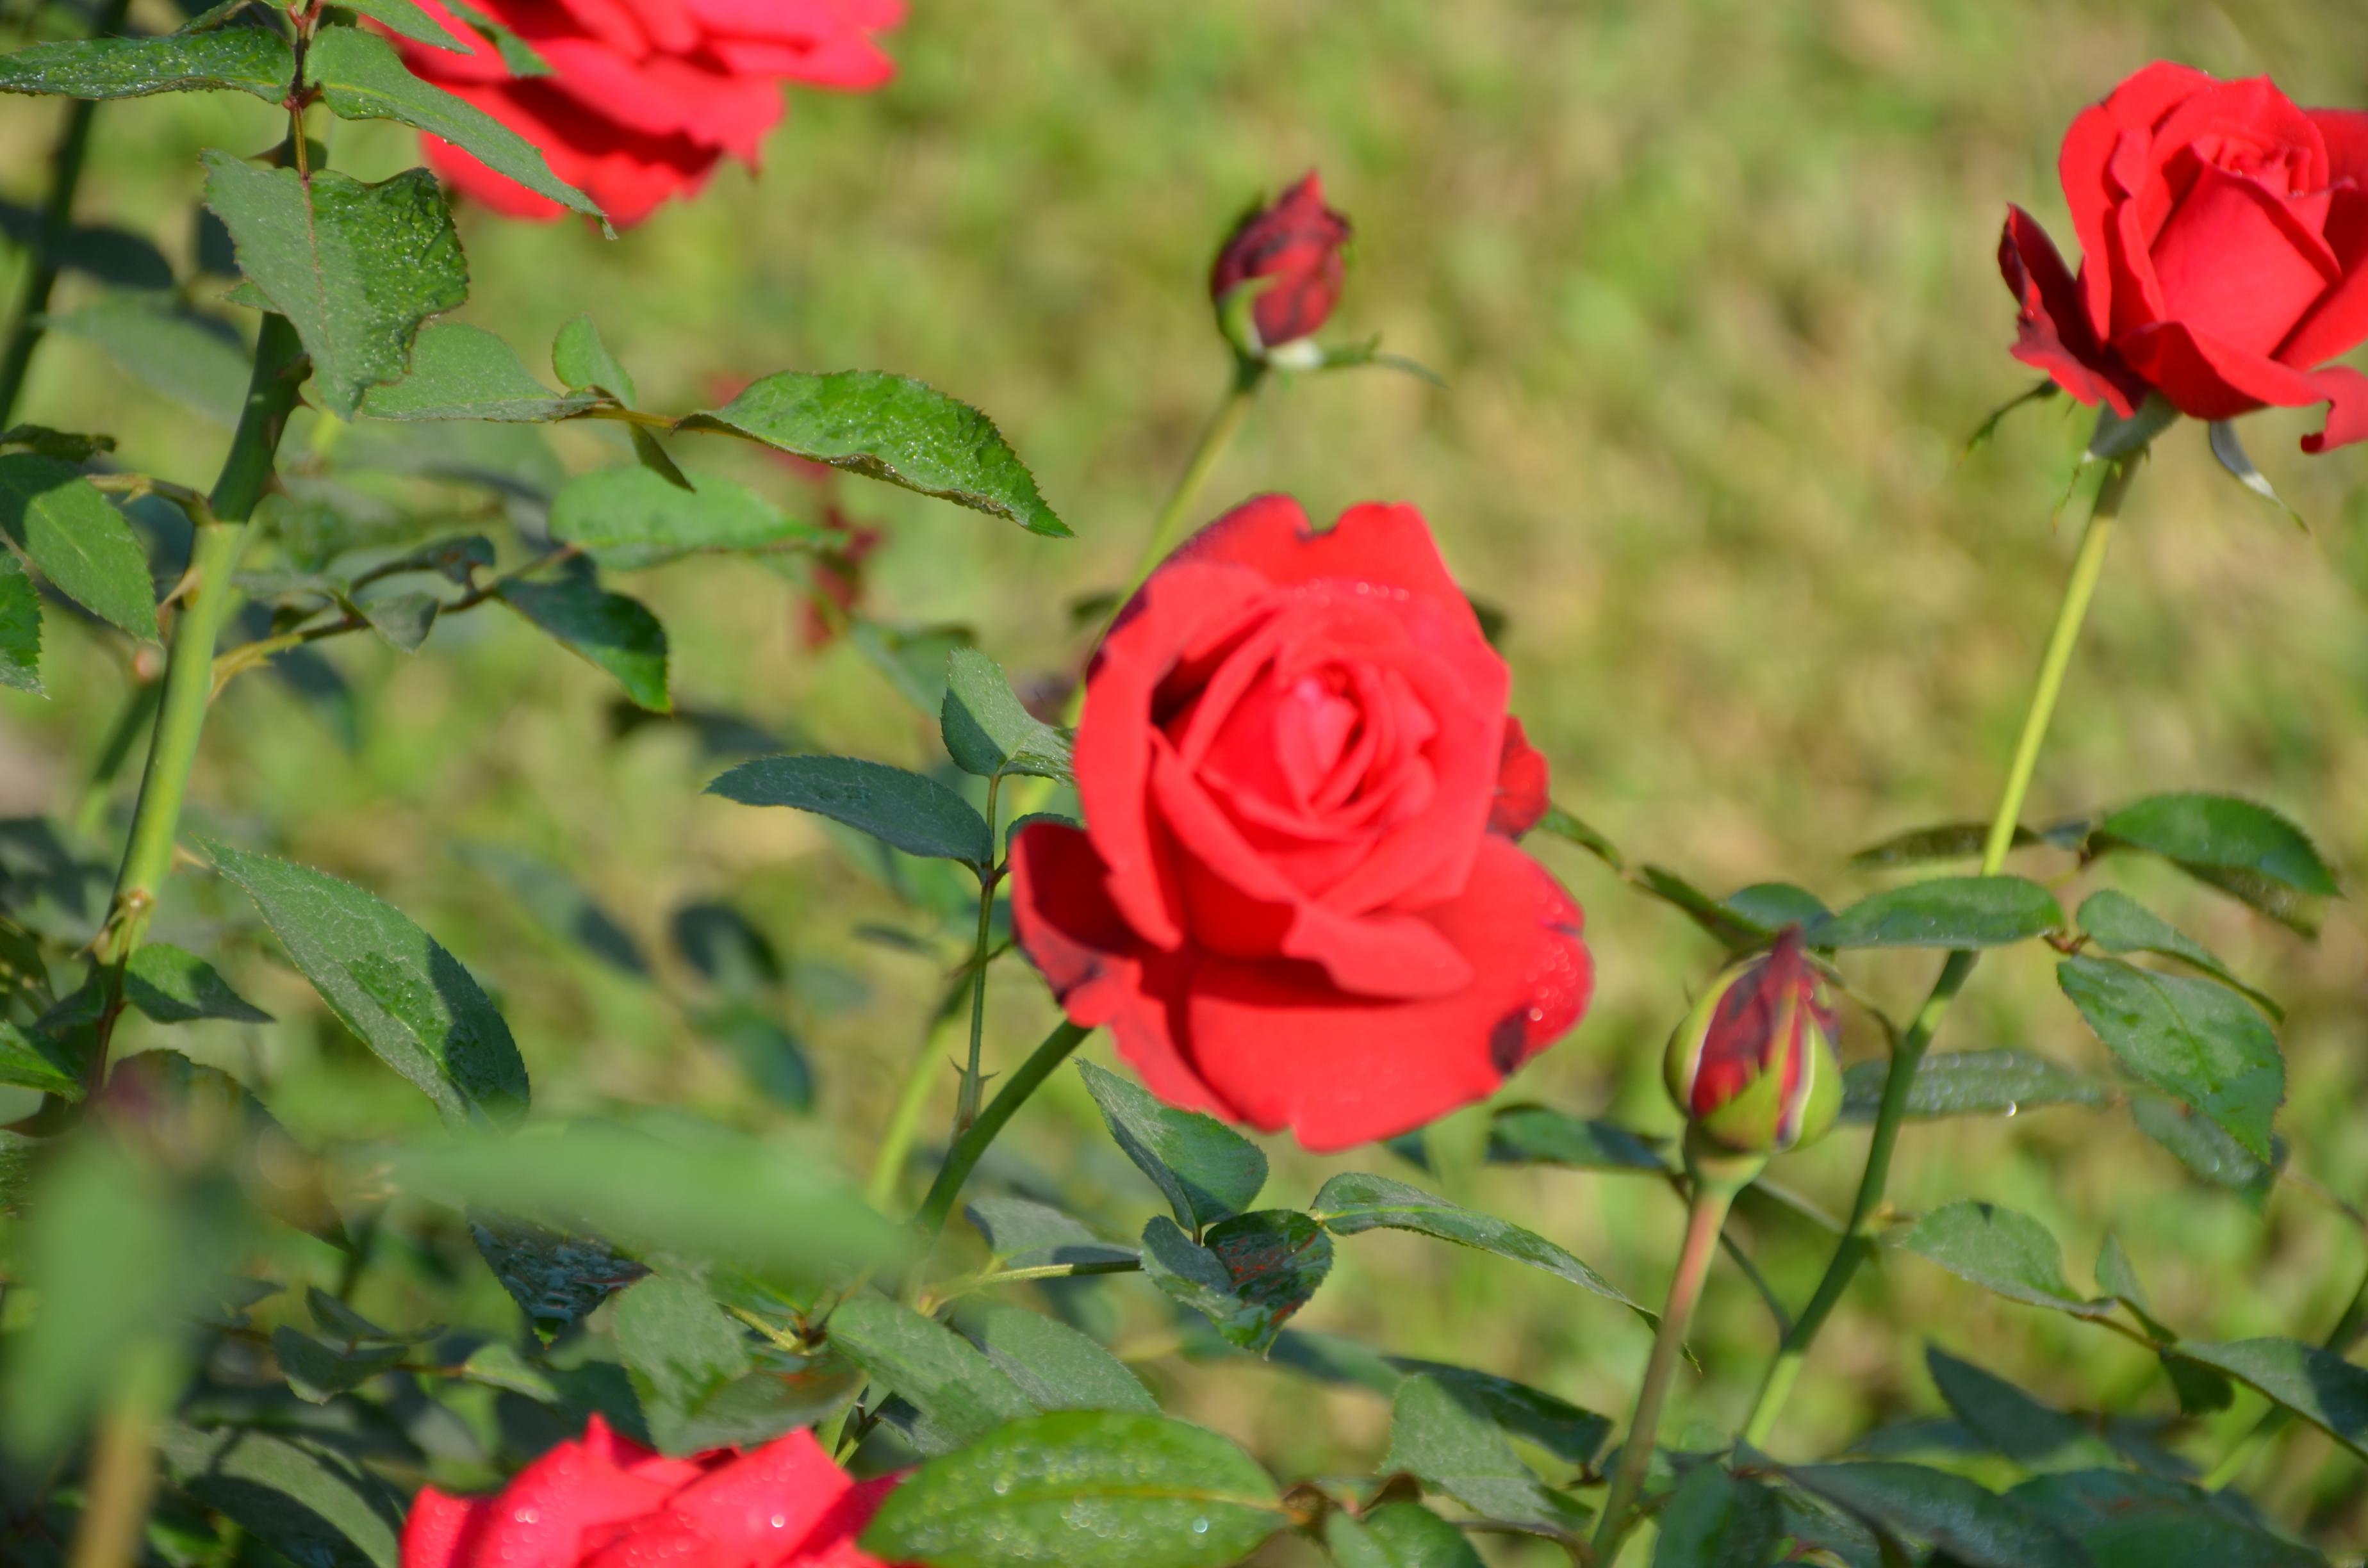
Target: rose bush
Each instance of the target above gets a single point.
(1296, 901)
(608, 1503)
(2224, 238)
(1295, 245)
(644, 97)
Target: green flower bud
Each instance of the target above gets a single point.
(1753, 1065)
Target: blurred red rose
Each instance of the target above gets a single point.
(837, 577)
(2224, 238)
(608, 1503)
(645, 97)
(1297, 243)
(1287, 903)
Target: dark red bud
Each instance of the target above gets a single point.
(1295, 244)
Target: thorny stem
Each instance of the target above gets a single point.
(939, 1206)
(912, 1100)
(973, 1084)
(1907, 1053)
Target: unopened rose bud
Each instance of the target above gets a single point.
(1753, 1066)
(1290, 253)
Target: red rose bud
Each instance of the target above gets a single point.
(1753, 1066)
(1291, 254)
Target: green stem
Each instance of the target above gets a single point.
(939, 1206)
(973, 1084)
(1714, 1186)
(25, 328)
(1248, 375)
(2274, 1420)
(120, 1484)
(904, 1120)
(1907, 1053)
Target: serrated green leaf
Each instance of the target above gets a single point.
(582, 362)
(391, 983)
(2221, 833)
(557, 1278)
(905, 810)
(317, 1373)
(21, 627)
(891, 428)
(1354, 1202)
(465, 372)
(1922, 846)
(1081, 1489)
(2190, 1038)
(1437, 1438)
(244, 59)
(1717, 1520)
(1975, 1526)
(1254, 1271)
(2119, 924)
(193, 360)
(39, 1061)
(1972, 1083)
(2199, 1143)
(404, 619)
(77, 540)
(1772, 906)
(986, 730)
(1056, 1367)
(1410, 1536)
(1536, 1134)
(631, 517)
(2013, 1422)
(2321, 1387)
(696, 1377)
(2124, 1521)
(961, 1394)
(497, 1365)
(2002, 1250)
(410, 20)
(1207, 1171)
(362, 77)
(607, 630)
(174, 986)
(1947, 912)
(314, 1505)
(1021, 1232)
(354, 267)
(1556, 1425)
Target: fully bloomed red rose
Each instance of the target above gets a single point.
(608, 1503)
(2224, 238)
(1296, 244)
(644, 97)
(1296, 901)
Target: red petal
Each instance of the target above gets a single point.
(2205, 378)
(2052, 332)
(2347, 418)
(441, 1531)
(2339, 322)
(2345, 131)
(1289, 1051)
(2237, 264)
(1521, 785)
(832, 1543)
(2085, 161)
(541, 1520)
(1383, 545)
(758, 1507)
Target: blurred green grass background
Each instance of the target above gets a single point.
(1711, 286)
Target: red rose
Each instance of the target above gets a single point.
(1287, 903)
(2224, 238)
(645, 97)
(1297, 243)
(607, 1503)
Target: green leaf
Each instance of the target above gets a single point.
(1081, 1489)
(559, 903)
(607, 630)
(1972, 1083)
(905, 810)
(1976, 1527)
(767, 1053)
(77, 540)
(497, 1364)
(1922, 846)
(582, 362)
(404, 17)
(335, 1318)
(631, 517)
(195, 360)
(314, 1505)
(2008, 1419)
(1054, 1365)
(404, 619)
(1556, 1425)
(1715, 1519)
(986, 730)
(696, 1377)
(961, 1394)
(2119, 924)
(354, 267)
(1725, 925)
(2321, 1387)
(39, 1061)
(1564, 825)
(1205, 1170)
(760, 1206)
(2190, 1038)
(2201, 833)
(2123, 1520)
(244, 59)
(1254, 1271)
(557, 1278)
(1410, 1536)
(2199, 1143)
(176, 987)
(1020, 1231)
(1442, 1441)
(1536, 1134)
(317, 1373)
(21, 627)
(391, 983)
(1354, 1202)
(2001, 1250)
(362, 77)
(1947, 912)
(891, 428)
(465, 372)
(1774, 905)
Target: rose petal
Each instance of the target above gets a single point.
(831, 1543)
(442, 1530)
(2339, 322)
(1521, 785)
(2205, 378)
(1098, 968)
(1384, 546)
(2347, 416)
(2087, 155)
(541, 1518)
(2345, 132)
(757, 1506)
(2053, 332)
(1289, 1051)
(2236, 263)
